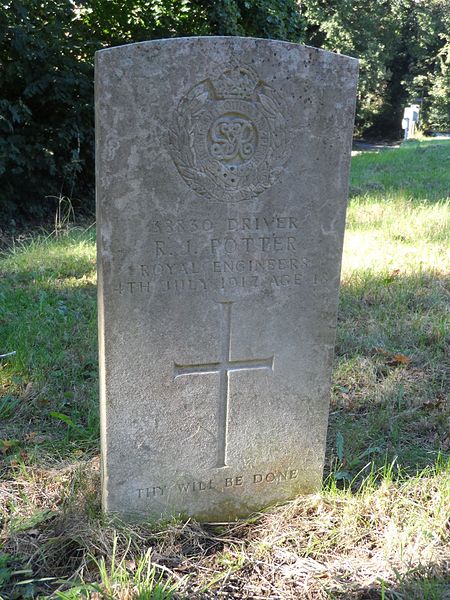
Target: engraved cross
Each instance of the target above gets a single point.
(223, 366)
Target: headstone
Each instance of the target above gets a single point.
(222, 174)
(410, 120)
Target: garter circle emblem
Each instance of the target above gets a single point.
(229, 138)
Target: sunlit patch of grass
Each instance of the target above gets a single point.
(49, 259)
(399, 219)
(397, 235)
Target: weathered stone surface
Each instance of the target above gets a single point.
(222, 167)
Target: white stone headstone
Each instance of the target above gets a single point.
(222, 174)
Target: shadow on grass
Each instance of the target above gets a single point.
(389, 393)
(417, 170)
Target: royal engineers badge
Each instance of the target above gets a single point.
(229, 138)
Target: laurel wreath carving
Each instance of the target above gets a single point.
(201, 177)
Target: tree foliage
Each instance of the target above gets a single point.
(438, 113)
(399, 44)
(46, 97)
(277, 19)
(46, 71)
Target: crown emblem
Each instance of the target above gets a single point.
(238, 82)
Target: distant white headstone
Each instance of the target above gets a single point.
(410, 119)
(222, 174)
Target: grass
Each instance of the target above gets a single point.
(379, 529)
(48, 318)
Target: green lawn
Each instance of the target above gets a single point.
(379, 528)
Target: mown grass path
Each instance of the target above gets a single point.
(380, 527)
